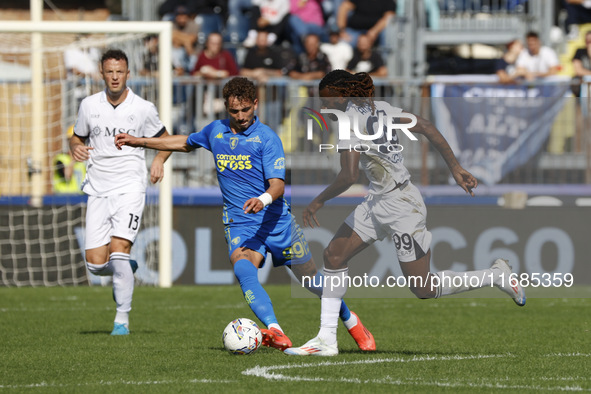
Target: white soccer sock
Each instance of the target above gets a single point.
(335, 288)
(451, 282)
(275, 325)
(100, 269)
(123, 282)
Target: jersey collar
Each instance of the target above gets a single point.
(128, 99)
(248, 131)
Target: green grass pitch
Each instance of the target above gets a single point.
(56, 340)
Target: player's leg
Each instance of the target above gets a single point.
(345, 244)
(313, 281)
(425, 284)
(123, 283)
(98, 236)
(302, 264)
(97, 261)
(127, 210)
(247, 251)
(246, 263)
(412, 242)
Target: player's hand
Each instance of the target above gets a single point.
(126, 139)
(253, 205)
(309, 214)
(81, 152)
(156, 171)
(465, 180)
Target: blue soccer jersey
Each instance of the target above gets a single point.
(244, 163)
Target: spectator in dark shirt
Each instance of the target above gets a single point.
(269, 15)
(366, 59)
(150, 56)
(582, 65)
(263, 61)
(370, 17)
(578, 12)
(312, 64)
(582, 58)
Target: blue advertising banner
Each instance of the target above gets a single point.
(494, 129)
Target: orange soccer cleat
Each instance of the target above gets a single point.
(275, 338)
(362, 336)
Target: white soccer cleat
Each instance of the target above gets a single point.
(507, 282)
(314, 347)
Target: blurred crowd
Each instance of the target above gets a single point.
(302, 39)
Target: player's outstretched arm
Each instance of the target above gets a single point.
(157, 167)
(462, 177)
(256, 204)
(174, 143)
(346, 177)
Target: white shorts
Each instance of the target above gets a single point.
(400, 214)
(113, 216)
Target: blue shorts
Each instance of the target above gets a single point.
(284, 239)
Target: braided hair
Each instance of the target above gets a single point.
(349, 85)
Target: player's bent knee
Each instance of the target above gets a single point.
(332, 259)
(99, 269)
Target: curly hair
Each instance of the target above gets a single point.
(241, 88)
(116, 54)
(347, 84)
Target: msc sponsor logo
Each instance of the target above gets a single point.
(111, 131)
(280, 163)
(233, 162)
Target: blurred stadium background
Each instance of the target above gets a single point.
(440, 58)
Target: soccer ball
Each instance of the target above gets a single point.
(242, 336)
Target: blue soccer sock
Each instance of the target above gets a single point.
(256, 297)
(315, 286)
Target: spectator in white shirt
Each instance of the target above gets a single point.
(537, 61)
(338, 51)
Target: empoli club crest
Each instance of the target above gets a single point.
(233, 142)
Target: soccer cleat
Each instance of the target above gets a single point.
(362, 336)
(507, 282)
(120, 329)
(314, 347)
(275, 338)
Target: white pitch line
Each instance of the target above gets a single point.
(265, 371)
(268, 374)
